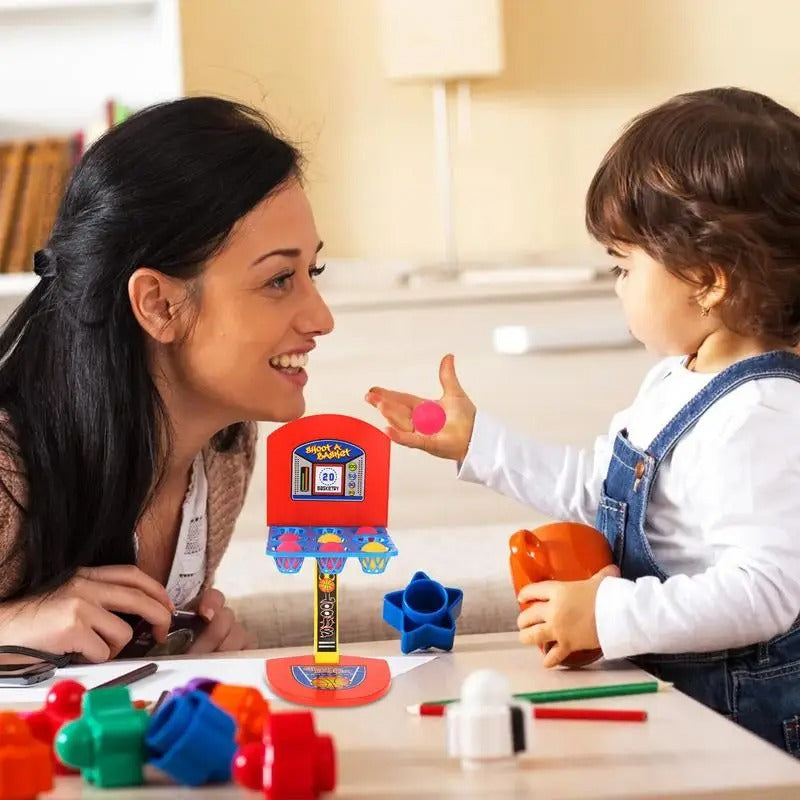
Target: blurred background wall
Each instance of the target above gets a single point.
(575, 72)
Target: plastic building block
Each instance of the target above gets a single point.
(192, 740)
(107, 742)
(26, 765)
(201, 685)
(559, 551)
(246, 705)
(195, 685)
(331, 546)
(425, 613)
(487, 727)
(292, 763)
(62, 704)
(428, 417)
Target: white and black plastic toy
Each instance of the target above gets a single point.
(488, 727)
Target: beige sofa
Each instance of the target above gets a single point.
(457, 533)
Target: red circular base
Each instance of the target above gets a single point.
(353, 681)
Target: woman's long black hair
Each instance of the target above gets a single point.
(85, 421)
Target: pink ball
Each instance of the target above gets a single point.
(428, 418)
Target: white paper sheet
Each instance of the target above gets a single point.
(173, 673)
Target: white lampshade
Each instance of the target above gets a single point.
(442, 40)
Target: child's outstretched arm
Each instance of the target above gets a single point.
(561, 482)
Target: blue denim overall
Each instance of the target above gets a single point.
(757, 686)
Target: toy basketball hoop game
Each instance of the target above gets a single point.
(328, 500)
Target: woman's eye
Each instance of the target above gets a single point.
(283, 281)
(280, 282)
(619, 272)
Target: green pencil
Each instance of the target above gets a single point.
(560, 695)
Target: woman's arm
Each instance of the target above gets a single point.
(80, 616)
(13, 499)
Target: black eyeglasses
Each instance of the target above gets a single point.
(36, 656)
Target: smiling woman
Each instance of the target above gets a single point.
(176, 307)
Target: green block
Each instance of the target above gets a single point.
(107, 742)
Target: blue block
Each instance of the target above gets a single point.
(425, 613)
(192, 740)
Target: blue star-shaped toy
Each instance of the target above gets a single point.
(425, 613)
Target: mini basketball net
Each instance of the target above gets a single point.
(328, 499)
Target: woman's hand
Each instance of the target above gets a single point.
(561, 614)
(79, 617)
(453, 440)
(223, 632)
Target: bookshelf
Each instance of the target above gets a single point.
(54, 5)
(62, 60)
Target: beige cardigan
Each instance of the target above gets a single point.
(228, 475)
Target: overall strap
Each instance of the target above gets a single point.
(777, 364)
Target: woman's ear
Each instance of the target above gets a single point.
(156, 301)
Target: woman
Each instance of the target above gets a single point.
(176, 306)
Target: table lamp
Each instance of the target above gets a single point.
(442, 42)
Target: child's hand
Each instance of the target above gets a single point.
(562, 614)
(223, 632)
(452, 441)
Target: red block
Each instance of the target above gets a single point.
(62, 705)
(292, 763)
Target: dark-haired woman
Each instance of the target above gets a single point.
(176, 307)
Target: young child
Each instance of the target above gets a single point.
(697, 484)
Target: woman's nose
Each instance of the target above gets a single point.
(317, 318)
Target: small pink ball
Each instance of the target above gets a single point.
(428, 418)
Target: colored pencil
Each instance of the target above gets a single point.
(129, 677)
(161, 700)
(578, 693)
(596, 714)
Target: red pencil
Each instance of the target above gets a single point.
(600, 714)
(548, 712)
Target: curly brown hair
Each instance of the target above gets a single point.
(707, 181)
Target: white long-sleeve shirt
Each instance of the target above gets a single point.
(723, 519)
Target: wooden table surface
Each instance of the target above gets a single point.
(682, 751)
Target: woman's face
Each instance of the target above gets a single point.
(258, 314)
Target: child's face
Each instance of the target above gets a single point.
(257, 301)
(662, 311)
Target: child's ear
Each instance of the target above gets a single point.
(714, 294)
(156, 301)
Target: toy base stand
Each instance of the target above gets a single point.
(354, 681)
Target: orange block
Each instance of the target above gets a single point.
(26, 766)
(248, 708)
